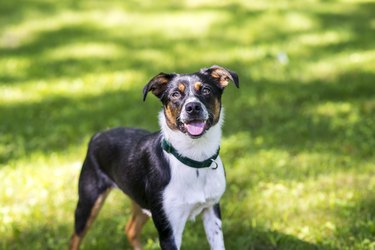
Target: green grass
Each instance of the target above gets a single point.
(299, 136)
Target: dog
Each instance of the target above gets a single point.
(172, 175)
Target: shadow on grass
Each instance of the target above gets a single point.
(105, 230)
(37, 237)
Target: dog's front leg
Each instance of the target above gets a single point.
(170, 226)
(212, 226)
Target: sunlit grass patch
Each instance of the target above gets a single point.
(90, 84)
(314, 202)
(332, 67)
(330, 37)
(311, 208)
(85, 50)
(35, 192)
(48, 195)
(14, 66)
(342, 113)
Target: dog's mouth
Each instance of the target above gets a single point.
(195, 128)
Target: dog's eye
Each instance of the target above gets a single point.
(206, 91)
(176, 94)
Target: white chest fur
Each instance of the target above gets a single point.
(191, 190)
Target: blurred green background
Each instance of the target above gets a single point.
(299, 136)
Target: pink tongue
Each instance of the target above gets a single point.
(195, 128)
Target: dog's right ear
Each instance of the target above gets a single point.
(158, 84)
(221, 75)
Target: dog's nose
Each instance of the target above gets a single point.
(193, 107)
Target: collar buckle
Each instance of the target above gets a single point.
(216, 164)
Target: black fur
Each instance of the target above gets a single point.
(138, 156)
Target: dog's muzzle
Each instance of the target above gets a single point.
(194, 118)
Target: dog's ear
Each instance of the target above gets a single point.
(221, 75)
(158, 84)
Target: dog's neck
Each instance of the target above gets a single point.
(198, 149)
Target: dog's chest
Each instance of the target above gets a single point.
(192, 190)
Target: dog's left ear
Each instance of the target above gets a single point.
(221, 75)
(158, 84)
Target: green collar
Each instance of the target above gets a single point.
(187, 161)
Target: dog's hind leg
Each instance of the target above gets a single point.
(134, 227)
(93, 189)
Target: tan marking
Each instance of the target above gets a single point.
(171, 117)
(215, 74)
(217, 110)
(162, 79)
(134, 227)
(197, 86)
(221, 76)
(75, 240)
(181, 87)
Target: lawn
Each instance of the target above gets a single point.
(299, 135)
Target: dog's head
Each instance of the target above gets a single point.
(192, 102)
